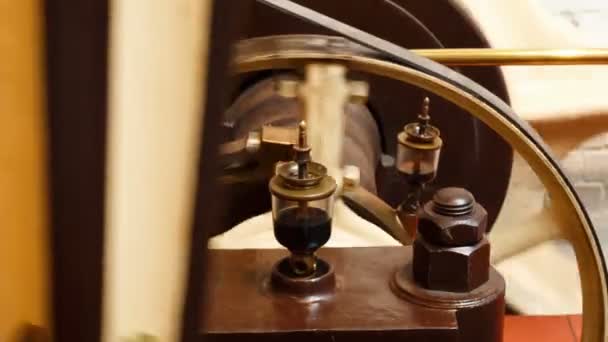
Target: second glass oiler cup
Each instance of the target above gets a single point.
(302, 207)
(418, 149)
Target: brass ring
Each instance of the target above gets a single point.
(578, 228)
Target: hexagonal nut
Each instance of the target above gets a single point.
(445, 230)
(452, 269)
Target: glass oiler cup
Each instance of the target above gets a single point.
(302, 207)
(418, 149)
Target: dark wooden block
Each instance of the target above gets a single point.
(242, 306)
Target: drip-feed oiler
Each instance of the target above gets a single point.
(302, 200)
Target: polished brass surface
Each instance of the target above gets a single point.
(421, 131)
(421, 134)
(455, 57)
(279, 135)
(302, 179)
(573, 221)
(435, 143)
(323, 188)
(375, 210)
(470, 57)
(269, 134)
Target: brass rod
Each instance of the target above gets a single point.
(486, 57)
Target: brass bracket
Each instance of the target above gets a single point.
(378, 212)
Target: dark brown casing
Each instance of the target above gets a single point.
(456, 269)
(448, 231)
(365, 303)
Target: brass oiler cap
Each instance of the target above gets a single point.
(315, 185)
(412, 136)
(421, 134)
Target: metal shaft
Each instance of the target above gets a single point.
(480, 57)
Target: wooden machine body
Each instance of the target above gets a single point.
(242, 304)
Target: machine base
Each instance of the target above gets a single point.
(242, 305)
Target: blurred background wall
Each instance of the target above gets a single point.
(588, 165)
(24, 258)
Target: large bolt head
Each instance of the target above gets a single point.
(453, 218)
(453, 269)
